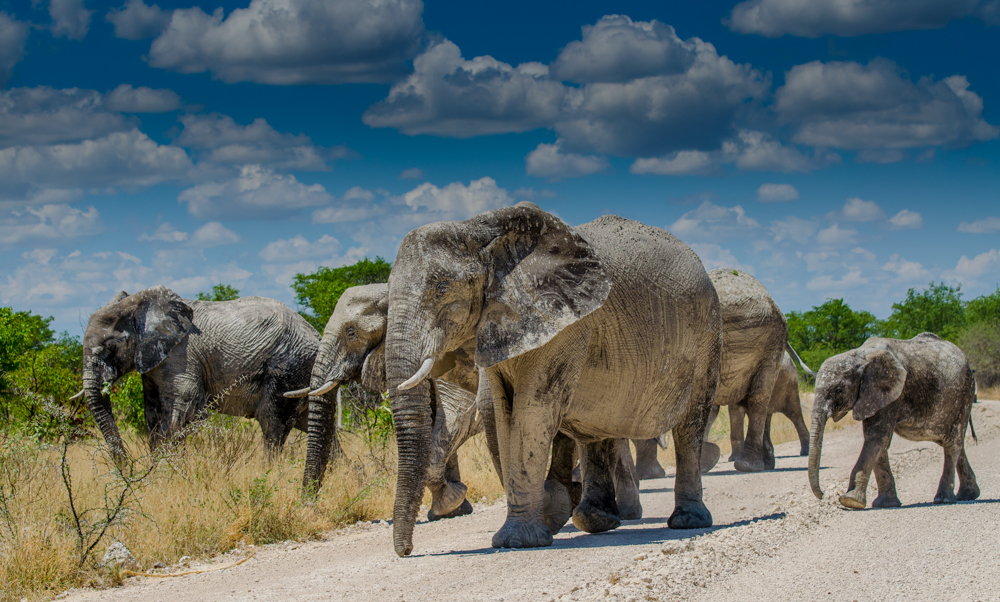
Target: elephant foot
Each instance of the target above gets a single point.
(575, 494)
(558, 507)
(710, 454)
(966, 494)
(886, 501)
(733, 457)
(522, 534)
(464, 508)
(945, 497)
(854, 499)
(744, 464)
(650, 470)
(630, 511)
(804, 451)
(769, 462)
(690, 516)
(592, 519)
(450, 498)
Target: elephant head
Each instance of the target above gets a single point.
(132, 332)
(865, 380)
(352, 349)
(511, 279)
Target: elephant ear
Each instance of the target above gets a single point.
(542, 277)
(162, 319)
(373, 370)
(882, 381)
(121, 295)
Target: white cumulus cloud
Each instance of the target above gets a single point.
(681, 163)
(458, 200)
(549, 161)
(858, 210)
(835, 236)
(70, 19)
(137, 20)
(987, 225)
(906, 271)
(13, 37)
(777, 193)
(48, 223)
(127, 99)
(906, 220)
(257, 193)
(710, 222)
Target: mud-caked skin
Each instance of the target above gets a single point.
(610, 330)
(920, 389)
(239, 355)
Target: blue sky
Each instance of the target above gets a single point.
(833, 148)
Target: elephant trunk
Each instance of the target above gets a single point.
(820, 415)
(322, 434)
(100, 405)
(411, 413)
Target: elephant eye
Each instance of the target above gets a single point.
(442, 287)
(350, 332)
(554, 250)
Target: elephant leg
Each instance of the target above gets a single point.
(448, 500)
(627, 482)
(768, 445)
(598, 510)
(525, 427)
(887, 497)
(946, 487)
(690, 511)
(877, 439)
(646, 464)
(737, 412)
(754, 457)
(561, 492)
(484, 401)
(800, 427)
(710, 452)
(153, 412)
(273, 425)
(968, 489)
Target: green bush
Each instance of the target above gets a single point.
(319, 292)
(127, 403)
(981, 344)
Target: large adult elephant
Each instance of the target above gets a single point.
(240, 355)
(608, 330)
(921, 389)
(352, 349)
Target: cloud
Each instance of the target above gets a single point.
(287, 42)
(412, 173)
(165, 232)
(224, 141)
(853, 106)
(827, 284)
(457, 200)
(858, 210)
(137, 20)
(712, 222)
(777, 193)
(879, 155)
(815, 18)
(548, 161)
(908, 220)
(214, 234)
(987, 225)
(127, 99)
(48, 223)
(835, 236)
(714, 256)
(69, 19)
(297, 248)
(257, 193)
(793, 228)
(13, 37)
(906, 271)
(967, 271)
(681, 163)
(44, 115)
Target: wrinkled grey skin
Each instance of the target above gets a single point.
(922, 389)
(604, 331)
(352, 350)
(191, 352)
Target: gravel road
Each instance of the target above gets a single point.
(771, 539)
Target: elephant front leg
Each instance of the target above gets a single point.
(877, 438)
(646, 464)
(562, 494)
(946, 487)
(753, 457)
(598, 510)
(627, 482)
(690, 511)
(887, 497)
(737, 412)
(524, 435)
(448, 498)
(968, 489)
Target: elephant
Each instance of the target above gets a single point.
(352, 348)
(921, 389)
(609, 330)
(239, 354)
(754, 336)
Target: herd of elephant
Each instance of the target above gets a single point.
(561, 344)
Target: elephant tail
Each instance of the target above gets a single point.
(798, 359)
(973, 429)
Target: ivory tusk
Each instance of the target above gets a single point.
(416, 379)
(77, 396)
(297, 392)
(325, 388)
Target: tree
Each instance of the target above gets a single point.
(220, 292)
(983, 309)
(320, 291)
(937, 309)
(829, 329)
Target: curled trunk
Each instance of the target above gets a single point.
(100, 406)
(820, 415)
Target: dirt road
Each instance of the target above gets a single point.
(771, 538)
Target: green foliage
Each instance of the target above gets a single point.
(937, 309)
(220, 292)
(829, 329)
(319, 292)
(983, 309)
(981, 344)
(127, 403)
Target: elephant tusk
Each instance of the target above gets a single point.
(416, 379)
(297, 392)
(325, 388)
(77, 396)
(662, 441)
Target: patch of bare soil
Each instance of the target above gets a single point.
(771, 538)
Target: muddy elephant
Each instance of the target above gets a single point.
(352, 349)
(921, 389)
(608, 330)
(237, 355)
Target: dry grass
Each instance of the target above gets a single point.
(989, 392)
(209, 495)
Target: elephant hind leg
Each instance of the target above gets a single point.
(968, 489)
(598, 510)
(646, 464)
(690, 511)
(626, 483)
(946, 487)
(737, 412)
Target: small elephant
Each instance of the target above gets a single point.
(352, 350)
(606, 331)
(242, 354)
(921, 388)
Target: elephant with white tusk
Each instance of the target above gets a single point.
(242, 354)
(921, 389)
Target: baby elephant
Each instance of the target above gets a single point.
(921, 389)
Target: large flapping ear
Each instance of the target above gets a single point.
(541, 277)
(882, 381)
(121, 295)
(162, 319)
(373, 377)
